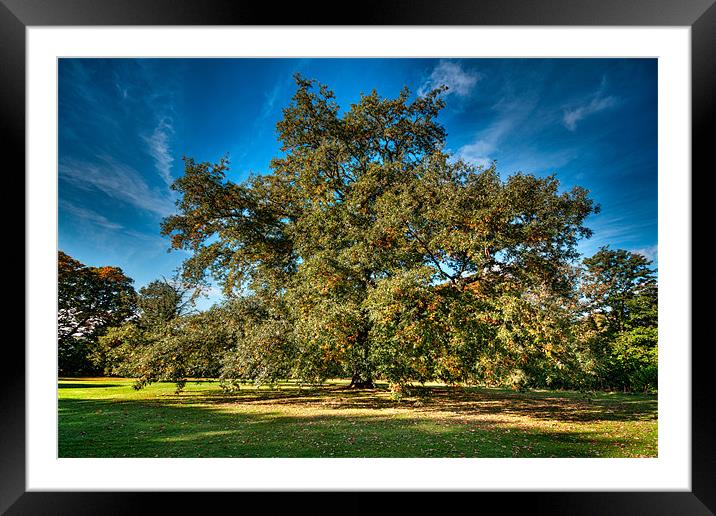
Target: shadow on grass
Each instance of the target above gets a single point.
(552, 406)
(208, 424)
(88, 385)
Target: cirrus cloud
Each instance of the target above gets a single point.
(447, 73)
(597, 102)
(118, 181)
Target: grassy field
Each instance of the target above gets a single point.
(105, 417)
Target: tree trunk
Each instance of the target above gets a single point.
(362, 370)
(360, 382)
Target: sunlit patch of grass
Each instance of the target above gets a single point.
(106, 417)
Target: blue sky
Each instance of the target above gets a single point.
(124, 125)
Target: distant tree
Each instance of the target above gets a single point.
(617, 283)
(161, 301)
(119, 350)
(621, 294)
(345, 243)
(90, 299)
(643, 307)
(187, 346)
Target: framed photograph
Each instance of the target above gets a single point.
(370, 217)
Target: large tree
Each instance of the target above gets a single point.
(90, 299)
(365, 225)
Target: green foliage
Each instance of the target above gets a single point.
(118, 349)
(160, 344)
(161, 301)
(261, 348)
(191, 346)
(634, 359)
(74, 354)
(90, 299)
(613, 283)
(621, 298)
(372, 252)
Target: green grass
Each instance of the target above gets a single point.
(105, 417)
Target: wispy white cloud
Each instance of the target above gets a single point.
(122, 90)
(86, 111)
(571, 117)
(477, 153)
(88, 215)
(510, 114)
(650, 252)
(270, 97)
(480, 151)
(118, 181)
(595, 103)
(617, 231)
(534, 160)
(158, 143)
(447, 73)
(101, 232)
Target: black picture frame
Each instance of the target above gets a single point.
(700, 15)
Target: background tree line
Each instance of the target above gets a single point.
(370, 252)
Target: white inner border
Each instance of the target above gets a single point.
(670, 471)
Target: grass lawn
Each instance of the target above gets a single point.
(105, 417)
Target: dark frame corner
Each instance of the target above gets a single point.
(700, 15)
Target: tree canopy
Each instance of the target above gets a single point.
(160, 301)
(367, 249)
(90, 300)
(619, 282)
(620, 295)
